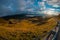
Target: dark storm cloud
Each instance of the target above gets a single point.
(7, 7)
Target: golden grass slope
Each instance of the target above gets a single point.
(26, 30)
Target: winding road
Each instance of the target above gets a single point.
(58, 35)
(55, 32)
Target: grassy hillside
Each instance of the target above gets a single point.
(58, 17)
(25, 29)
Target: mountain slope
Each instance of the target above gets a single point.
(27, 28)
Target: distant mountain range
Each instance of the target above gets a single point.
(20, 16)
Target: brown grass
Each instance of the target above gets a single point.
(27, 29)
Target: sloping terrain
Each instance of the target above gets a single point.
(34, 28)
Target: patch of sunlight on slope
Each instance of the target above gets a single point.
(28, 26)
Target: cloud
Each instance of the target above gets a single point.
(42, 5)
(54, 3)
(30, 10)
(31, 5)
(51, 12)
(44, 0)
(23, 5)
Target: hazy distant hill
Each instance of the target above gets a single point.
(17, 16)
(20, 16)
(57, 17)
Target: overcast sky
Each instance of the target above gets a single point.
(9, 7)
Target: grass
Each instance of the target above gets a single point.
(25, 29)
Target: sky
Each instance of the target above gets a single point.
(10, 7)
